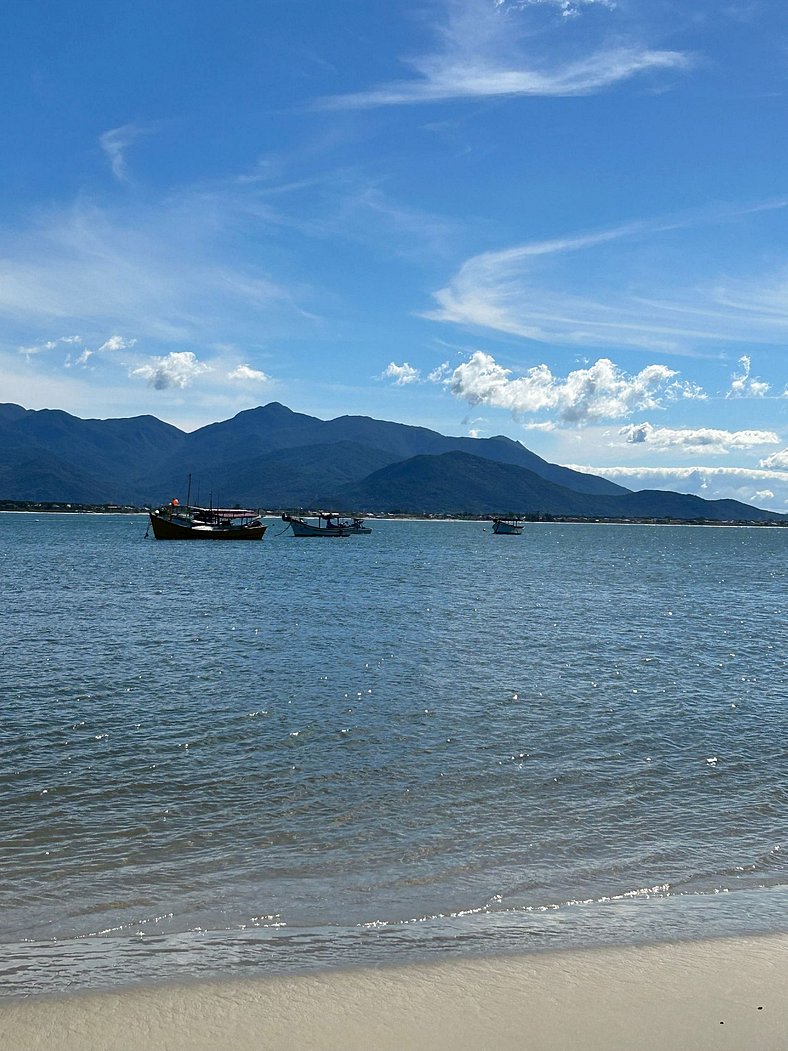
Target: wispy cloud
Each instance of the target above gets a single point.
(211, 262)
(777, 461)
(567, 8)
(202, 271)
(743, 385)
(602, 391)
(489, 49)
(116, 343)
(710, 440)
(619, 296)
(160, 270)
(80, 361)
(115, 142)
(547, 426)
(46, 349)
(31, 350)
(747, 484)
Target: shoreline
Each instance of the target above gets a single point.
(726, 993)
(475, 520)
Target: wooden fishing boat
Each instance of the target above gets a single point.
(175, 522)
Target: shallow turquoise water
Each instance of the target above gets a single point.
(245, 758)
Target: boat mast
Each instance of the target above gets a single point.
(189, 492)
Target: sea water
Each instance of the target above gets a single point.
(220, 760)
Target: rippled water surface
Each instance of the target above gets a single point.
(222, 759)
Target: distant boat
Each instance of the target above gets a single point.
(357, 526)
(327, 523)
(175, 522)
(511, 526)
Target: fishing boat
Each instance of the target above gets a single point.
(176, 522)
(326, 523)
(511, 526)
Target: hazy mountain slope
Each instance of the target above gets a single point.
(290, 478)
(42, 476)
(253, 432)
(274, 426)
(69, 451)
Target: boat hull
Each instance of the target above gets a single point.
(507, 528)
(167, 529)
(304, 529)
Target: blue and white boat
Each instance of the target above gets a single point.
(325, 523)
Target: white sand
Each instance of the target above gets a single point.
(671, 997)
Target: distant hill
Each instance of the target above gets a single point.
(458, 483)
(272, 457)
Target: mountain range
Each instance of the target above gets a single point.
(271, 457)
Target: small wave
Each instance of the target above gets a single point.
(131, 926)
(495, 905)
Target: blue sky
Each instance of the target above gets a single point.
(560, 220)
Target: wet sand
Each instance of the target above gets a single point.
(727, 995)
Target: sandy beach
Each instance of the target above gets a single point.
(722, 994)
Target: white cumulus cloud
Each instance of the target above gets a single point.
(402, 374)
(246, 372)
(601, 391)
(178, 369)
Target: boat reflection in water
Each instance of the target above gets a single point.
(174, 522)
